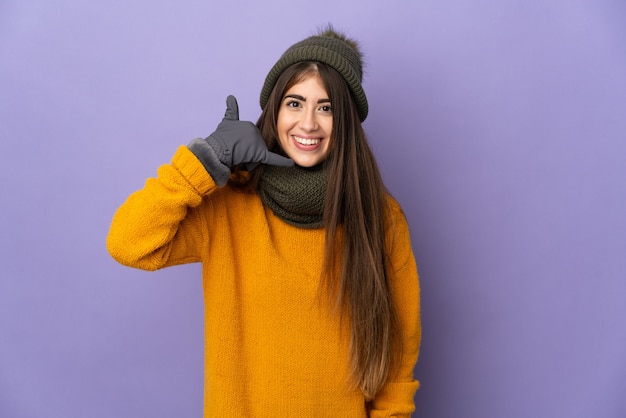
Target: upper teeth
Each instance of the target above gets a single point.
(305, 141)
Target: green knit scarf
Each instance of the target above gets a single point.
(295, 194)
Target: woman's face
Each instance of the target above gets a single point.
(305, 122)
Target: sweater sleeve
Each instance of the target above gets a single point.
(396, 397)
(157, 226)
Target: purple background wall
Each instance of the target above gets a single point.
(500, 126)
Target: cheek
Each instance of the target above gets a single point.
(282, 123)
(327, 146)
(328, 127)
(280, 127)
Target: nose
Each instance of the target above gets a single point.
(308, 122)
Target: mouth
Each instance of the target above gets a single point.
(306, 141)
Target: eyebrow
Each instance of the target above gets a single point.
(302, 98)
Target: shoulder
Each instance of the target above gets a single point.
(393, 204)
(393, 210)
(397, 234)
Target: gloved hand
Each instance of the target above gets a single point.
(234, 142)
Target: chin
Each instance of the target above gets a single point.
(307, 162)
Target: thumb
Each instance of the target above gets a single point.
(275, 159)
(232, 109)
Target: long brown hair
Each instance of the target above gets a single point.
(355, 209)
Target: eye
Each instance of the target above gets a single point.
(293, 103)
(326, 108)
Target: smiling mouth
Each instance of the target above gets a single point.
(306, 141)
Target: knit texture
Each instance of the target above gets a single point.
(331, 51)
(295, 194)
(273, 347)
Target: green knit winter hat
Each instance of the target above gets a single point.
(332, 49)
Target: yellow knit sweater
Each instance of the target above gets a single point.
(273, 347)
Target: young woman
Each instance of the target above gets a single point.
(310, 286)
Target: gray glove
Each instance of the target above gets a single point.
(234, 142)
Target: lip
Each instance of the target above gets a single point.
(306, 147)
